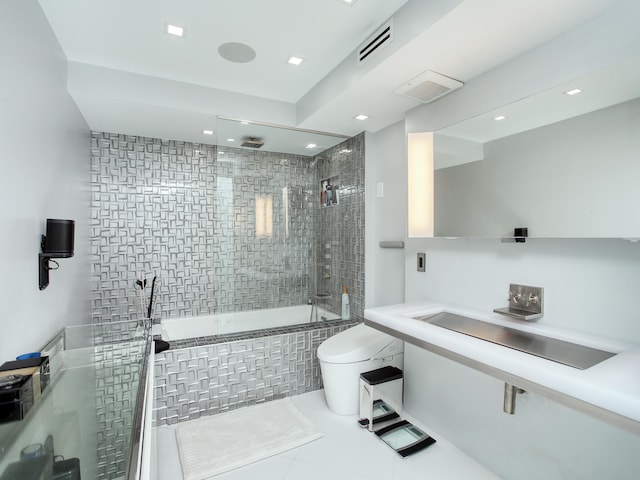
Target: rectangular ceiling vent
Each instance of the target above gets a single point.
(375, 42)
(428, 86)
(252, 142)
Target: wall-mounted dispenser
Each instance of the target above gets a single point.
(57, 243)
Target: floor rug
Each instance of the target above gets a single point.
(213, 445)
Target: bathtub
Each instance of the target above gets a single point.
(224, 323)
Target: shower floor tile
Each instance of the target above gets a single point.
(345, 451)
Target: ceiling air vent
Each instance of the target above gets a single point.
(252, 142)
(428, 86)
(375, 42)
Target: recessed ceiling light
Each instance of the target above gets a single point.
(244, 123)
(207, 132)
(311, 145)
(231, 139)
(348, 2)
(346, 150)
(361, 117)
(175, 30)
(575, 91)
(499, 117)
(293, 60)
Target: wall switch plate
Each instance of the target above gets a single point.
(421, 262)
(380, 188)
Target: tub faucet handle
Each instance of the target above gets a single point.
(514, 297)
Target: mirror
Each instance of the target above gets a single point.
(559, 164)
(238, 133)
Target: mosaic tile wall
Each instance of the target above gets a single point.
(225, 230)
(187, 214)
(340, 228)
(195, 216)
(118, 363)
(205, 380)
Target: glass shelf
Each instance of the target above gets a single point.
(90, 412)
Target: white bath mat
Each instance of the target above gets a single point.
(217, 444)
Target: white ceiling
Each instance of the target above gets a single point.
(129, 35)
(128, 76)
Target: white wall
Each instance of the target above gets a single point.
(543, 440)
(385, 217)
(591, 286)
(45, 165)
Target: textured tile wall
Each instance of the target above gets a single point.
(205, 380)
(340, 228)
(118, 361)
(187, 213)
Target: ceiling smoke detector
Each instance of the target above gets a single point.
(252, 142)
(428, 86)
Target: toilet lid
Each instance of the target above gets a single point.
(356, 344)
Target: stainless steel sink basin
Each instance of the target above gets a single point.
(567, 353)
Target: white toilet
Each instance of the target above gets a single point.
(346, 355)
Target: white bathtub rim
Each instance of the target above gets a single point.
(182, 328)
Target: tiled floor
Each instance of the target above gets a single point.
(346, 451)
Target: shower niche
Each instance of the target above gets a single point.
(329, 191)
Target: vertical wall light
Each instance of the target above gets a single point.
(264, 216)
(420, 187)
(285, 200)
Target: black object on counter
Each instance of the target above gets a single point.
(521, 234)
(160, 345)
(66, 469)
(21, 385)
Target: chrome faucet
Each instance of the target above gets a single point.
(525, 302)
(514, 297)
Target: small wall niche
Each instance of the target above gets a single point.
(328, 192)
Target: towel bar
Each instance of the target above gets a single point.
(399, 244)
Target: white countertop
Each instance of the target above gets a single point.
(611, 386)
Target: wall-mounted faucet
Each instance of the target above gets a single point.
(514, 297)
(510, 393)
(525, 302)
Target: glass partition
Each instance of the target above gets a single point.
(88, 418)
(226, 228)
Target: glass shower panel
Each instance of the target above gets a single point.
(273, 249)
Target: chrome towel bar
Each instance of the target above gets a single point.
(399, 244)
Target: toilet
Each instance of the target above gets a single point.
(346, 355)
